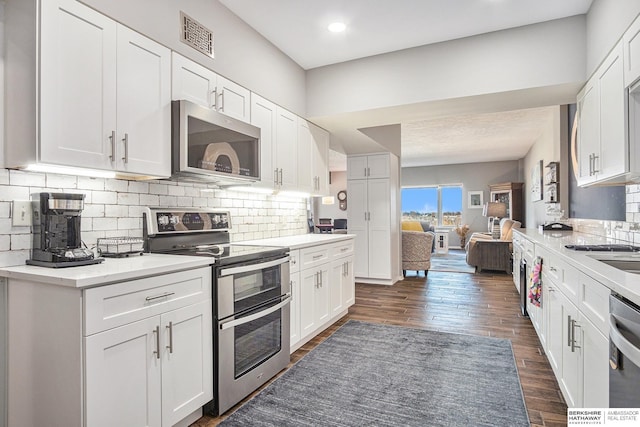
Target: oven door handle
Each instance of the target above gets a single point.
(624, 345)
(253, 267)
(237, 322)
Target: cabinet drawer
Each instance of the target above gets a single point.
(314, 256)
(528, 250)
(571, 284)
(342, 249)
(115, 305)
(294, 261)
(551, 265)
(594, 302)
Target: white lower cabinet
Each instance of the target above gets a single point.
(132, 353)
(322, 286)
(572, 327)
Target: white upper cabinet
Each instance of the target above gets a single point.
(631, 44)
(368, 166)
(306, 180)
(286, 159)
(320, 156)
(77, 86)
(263, 115)
(198, 84)
(104, 93)
(143, 105)
(603, 149)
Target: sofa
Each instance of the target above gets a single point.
(485, 252)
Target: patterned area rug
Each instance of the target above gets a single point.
(369, 374)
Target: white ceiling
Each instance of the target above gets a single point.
(299, 29)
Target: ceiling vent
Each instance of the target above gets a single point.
(196, 35)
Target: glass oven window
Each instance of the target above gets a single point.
(256, 287)
(257, 341)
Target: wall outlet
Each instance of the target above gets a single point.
(21, 213)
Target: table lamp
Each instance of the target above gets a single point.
(494, 211)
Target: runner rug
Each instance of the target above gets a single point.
(369, 374)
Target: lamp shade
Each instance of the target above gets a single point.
(494, 209)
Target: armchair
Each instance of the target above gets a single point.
(484, 252)
(416, 250)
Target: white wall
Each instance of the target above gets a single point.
(472, 177)
(540, 55)
(241, 54)
(607, 20)
(546, 148)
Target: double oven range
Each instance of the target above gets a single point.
(251, 296)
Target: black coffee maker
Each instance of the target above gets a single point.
(56, 231)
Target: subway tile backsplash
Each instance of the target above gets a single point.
(114, 208)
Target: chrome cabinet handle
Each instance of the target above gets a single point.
(553, 269)
(275, 176)
(365, 171)
(568, 331)
(157, 350)
(170, 328)
(574, 325)
(166, 294)
(112, 156)
(280, 176)
(317, 256)
(126, 148)
(214, 94)
(595, 170)
(222, 100)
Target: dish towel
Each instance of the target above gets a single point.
(535, 283)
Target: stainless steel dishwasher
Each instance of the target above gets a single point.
(624, 353)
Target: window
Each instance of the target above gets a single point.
(441, 206)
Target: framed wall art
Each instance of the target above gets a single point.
(475, 200)
(536, 181)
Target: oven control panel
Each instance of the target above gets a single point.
(171, 220)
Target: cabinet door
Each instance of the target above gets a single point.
(192, 82)
(570, 382)
(555, 343)
(358, 225)
(305, 157)
(379, 228)
(336, 280)
(348, 284)
(356, 167)
(187, 361)
(144, 105)
(322, 304)
(614, 157)
(294, 328)
(122, 371)
(631, 43)
(78, 85)
(321, 140)
(233, 100)
(287, 148)
(308, 285)
(595, 364)
(378, 166)
(263, 115)
(588, 143)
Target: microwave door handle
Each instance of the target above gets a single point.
(253, 267)
(624, 345)
(237, 322)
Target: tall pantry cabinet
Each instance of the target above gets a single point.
(373, 216)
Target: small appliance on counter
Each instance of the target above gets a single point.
(56, 231)
(120, 247)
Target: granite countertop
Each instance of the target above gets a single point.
(301, 240)
(622, 282)
(112, 270)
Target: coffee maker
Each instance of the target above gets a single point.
(56, 231)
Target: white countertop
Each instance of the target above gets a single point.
(624, 283)
(301, 240)
(110, 271)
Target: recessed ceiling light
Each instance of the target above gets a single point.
(337, 27)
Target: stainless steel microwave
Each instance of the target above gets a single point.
(212, 147)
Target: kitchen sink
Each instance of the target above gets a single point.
(627, 263)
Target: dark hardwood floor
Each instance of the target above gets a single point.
(479, 304)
